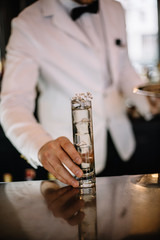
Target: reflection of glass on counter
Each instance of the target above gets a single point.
(88, 225)
(83, 136)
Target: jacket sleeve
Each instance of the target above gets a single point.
(18, 95)
(128, 78)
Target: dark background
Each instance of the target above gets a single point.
(145, 160)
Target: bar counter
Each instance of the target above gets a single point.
(122, 207)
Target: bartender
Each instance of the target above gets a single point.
(66, 47)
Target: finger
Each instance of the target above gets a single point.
(70, 194)
(56, 194)
(65, 197)
(65, 159)
(151, 100)
(48, 187)
(55, 167)
(154, 105)
(70, 150)
(58, 170)
(49, 167)
(76, 219)
(154, 109)
(73, 206)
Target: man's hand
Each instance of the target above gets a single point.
(58, 152)
(154, 105)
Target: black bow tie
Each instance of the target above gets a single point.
(78, 11)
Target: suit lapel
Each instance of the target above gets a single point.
(62, 20)
(111, 34)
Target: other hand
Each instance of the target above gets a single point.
(154, 103)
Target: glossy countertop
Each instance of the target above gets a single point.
(122, 207)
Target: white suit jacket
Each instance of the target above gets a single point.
(48, 48)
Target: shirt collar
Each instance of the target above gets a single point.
(49, 6)
(69, 4)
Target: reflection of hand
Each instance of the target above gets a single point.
(58, 152)
(64, 203)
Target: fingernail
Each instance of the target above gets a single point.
(75, 183)
(78, 160)
(78, 173)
